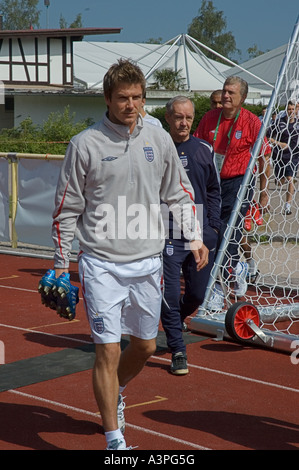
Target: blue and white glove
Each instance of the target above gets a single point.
(59, 294)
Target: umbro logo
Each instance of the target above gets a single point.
(109, 159)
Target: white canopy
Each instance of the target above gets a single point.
(261, 71)
(92, 60)
(182, 53)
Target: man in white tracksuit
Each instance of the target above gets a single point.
(108, 195)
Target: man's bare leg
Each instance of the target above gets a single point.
(105, 383)
(134, 357)
(113, 368)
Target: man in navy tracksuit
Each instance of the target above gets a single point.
(197, 157)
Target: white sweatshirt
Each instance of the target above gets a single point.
(110, 189)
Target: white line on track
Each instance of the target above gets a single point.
(25, 290)
(96, 415)
(76, 340)
(158, 358)
(20, 288)
(138, 428)
(236, 376)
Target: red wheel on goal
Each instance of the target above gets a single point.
(237, 320)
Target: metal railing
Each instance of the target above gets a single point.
(14, 158)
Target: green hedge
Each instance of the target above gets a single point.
(51, 137)
(202, 105)
(54, 134)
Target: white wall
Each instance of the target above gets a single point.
(40, 106)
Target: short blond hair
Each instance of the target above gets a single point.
(124, 71)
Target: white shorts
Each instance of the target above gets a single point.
(121, 298)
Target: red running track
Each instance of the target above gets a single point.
(235, 397)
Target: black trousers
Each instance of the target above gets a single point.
(176, 308)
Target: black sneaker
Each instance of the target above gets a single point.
(179, 364)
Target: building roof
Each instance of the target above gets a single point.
(261, 71)
(92, 60)
(182, 53)
(75, 33)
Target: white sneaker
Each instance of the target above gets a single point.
(287, 209)
(241, 273)
(216, 301)
(253, 273)
(120, 414)
(117, 444)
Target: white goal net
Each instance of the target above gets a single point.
(269, 247)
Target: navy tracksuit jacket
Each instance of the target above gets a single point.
(197, 157)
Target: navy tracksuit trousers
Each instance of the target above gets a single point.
(174, 308)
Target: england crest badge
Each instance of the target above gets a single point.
(149, 153)
(98, 324)
(169, 250)
(184, 160)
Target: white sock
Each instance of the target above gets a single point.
(251, 266)
(121, 389)
(111, 435)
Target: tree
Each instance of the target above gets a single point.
(209, 28)
(254, 51)
(77, 23)
(19, 14)
(154, 41)
(168, 79)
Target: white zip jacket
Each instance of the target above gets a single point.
(109, 192)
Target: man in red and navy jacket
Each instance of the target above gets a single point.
(233, 131)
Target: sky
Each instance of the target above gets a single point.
(266, 23)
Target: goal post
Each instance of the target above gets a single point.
(269, 249)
